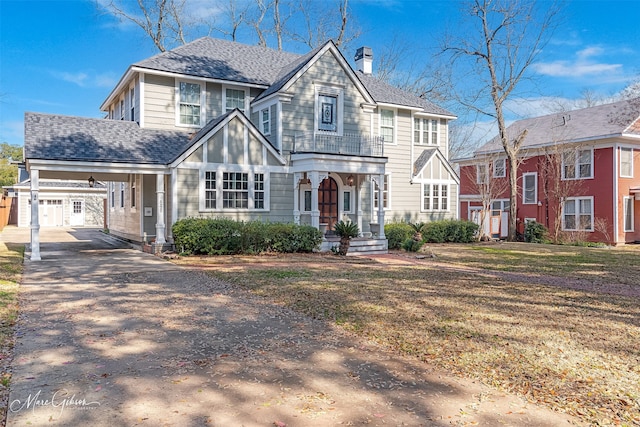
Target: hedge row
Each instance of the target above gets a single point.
(445, 231)
(220, 236)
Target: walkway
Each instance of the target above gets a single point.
(109, 336)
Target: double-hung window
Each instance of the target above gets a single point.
(210, 190)
(529, 188)
(258, 191)
(385, 194)
(578, 214)
(425, 131)
(222, 190)
(577, 164)
(190, 104)
(265, 119)
(628, 214)
(235, 190)
(234, 98)
(499, 168)
(435, 197)
(387, 125)
(626, 162)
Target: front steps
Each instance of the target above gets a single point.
(359, 245)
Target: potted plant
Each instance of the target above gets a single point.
(345, 230)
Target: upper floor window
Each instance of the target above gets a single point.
(530, 188)
(387, 125)
(482, 177)
(122, 109)
(626, 162)
(265, 118)
(189, 104)
(499, 168)
(425, 131)
(132, 104)
(234, 98)
(328, 113)
(577, 164)
(435, 197)
(578, 214)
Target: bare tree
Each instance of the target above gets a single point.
(320, 23)
(497, 46)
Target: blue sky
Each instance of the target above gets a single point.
(64, 57)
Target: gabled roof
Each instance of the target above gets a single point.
(222, 59)
(57, 137)
(617, 119)
(426, 156)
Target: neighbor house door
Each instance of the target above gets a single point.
(76, 218)
(328, 202)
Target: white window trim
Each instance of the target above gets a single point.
(235, 87)
(374, 191)
(504, 168)
(577, 213)
(620, 162)
(262, 121)
(351, 196)
(577, 166)
(429, 130)
(220, 170)
(624, 214)
(440, 209)
(203, 114)
(327, 90)
(535, 189)
(395, 124)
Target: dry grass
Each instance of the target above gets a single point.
(10, 274)
(575, 350)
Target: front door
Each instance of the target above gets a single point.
(328, 202)
(76, 218)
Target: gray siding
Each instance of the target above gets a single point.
(159, 102)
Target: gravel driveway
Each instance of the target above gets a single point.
(109, 336)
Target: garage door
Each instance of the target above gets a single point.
(50, 213)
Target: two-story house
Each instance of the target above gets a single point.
(578, 174)
(223, 129)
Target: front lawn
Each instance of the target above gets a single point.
(496, 312)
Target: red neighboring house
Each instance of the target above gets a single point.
(578, 174)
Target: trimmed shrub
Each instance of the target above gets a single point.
(449, 231)
(412, 245)
(397, 233)
(534, 232)
(220, 236)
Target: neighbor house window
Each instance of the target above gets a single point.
(265, 117)
(235, 190)
(234, 99)
(387, 125)
(577, 164)
(122, 194)
(258, 191)
(626, 162)
(628, 214)
(210, 190)
(435, 197)
(132, 191)
(578, 214)
(529, 188)
(132, 104)
(190, 104)
(385, 194)
(499, 168)
(482, 177)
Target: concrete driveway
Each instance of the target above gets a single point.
(109, 336)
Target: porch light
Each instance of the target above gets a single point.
(92, 181)
(350, 180)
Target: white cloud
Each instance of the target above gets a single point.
(85, 79)
(582, 65)
(12, 132)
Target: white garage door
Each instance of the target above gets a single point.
(50, 213)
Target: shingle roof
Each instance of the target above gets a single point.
(385, 93)
(422, 160)
(59, 137)
(591, 123)
(222, 59)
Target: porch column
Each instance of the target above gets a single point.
(358, 200)
(160, 223)
(35, 223)
(314, 177)
(296, 197)
(381, 206)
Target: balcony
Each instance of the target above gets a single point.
(347, 144)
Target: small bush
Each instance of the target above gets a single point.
(449, 231)
(222, 236)
(534, 232)
(411, 245)
(397, 233)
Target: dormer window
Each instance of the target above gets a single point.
(189, 104)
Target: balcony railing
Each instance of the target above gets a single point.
(349, 144)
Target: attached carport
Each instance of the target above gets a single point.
(76, 148)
